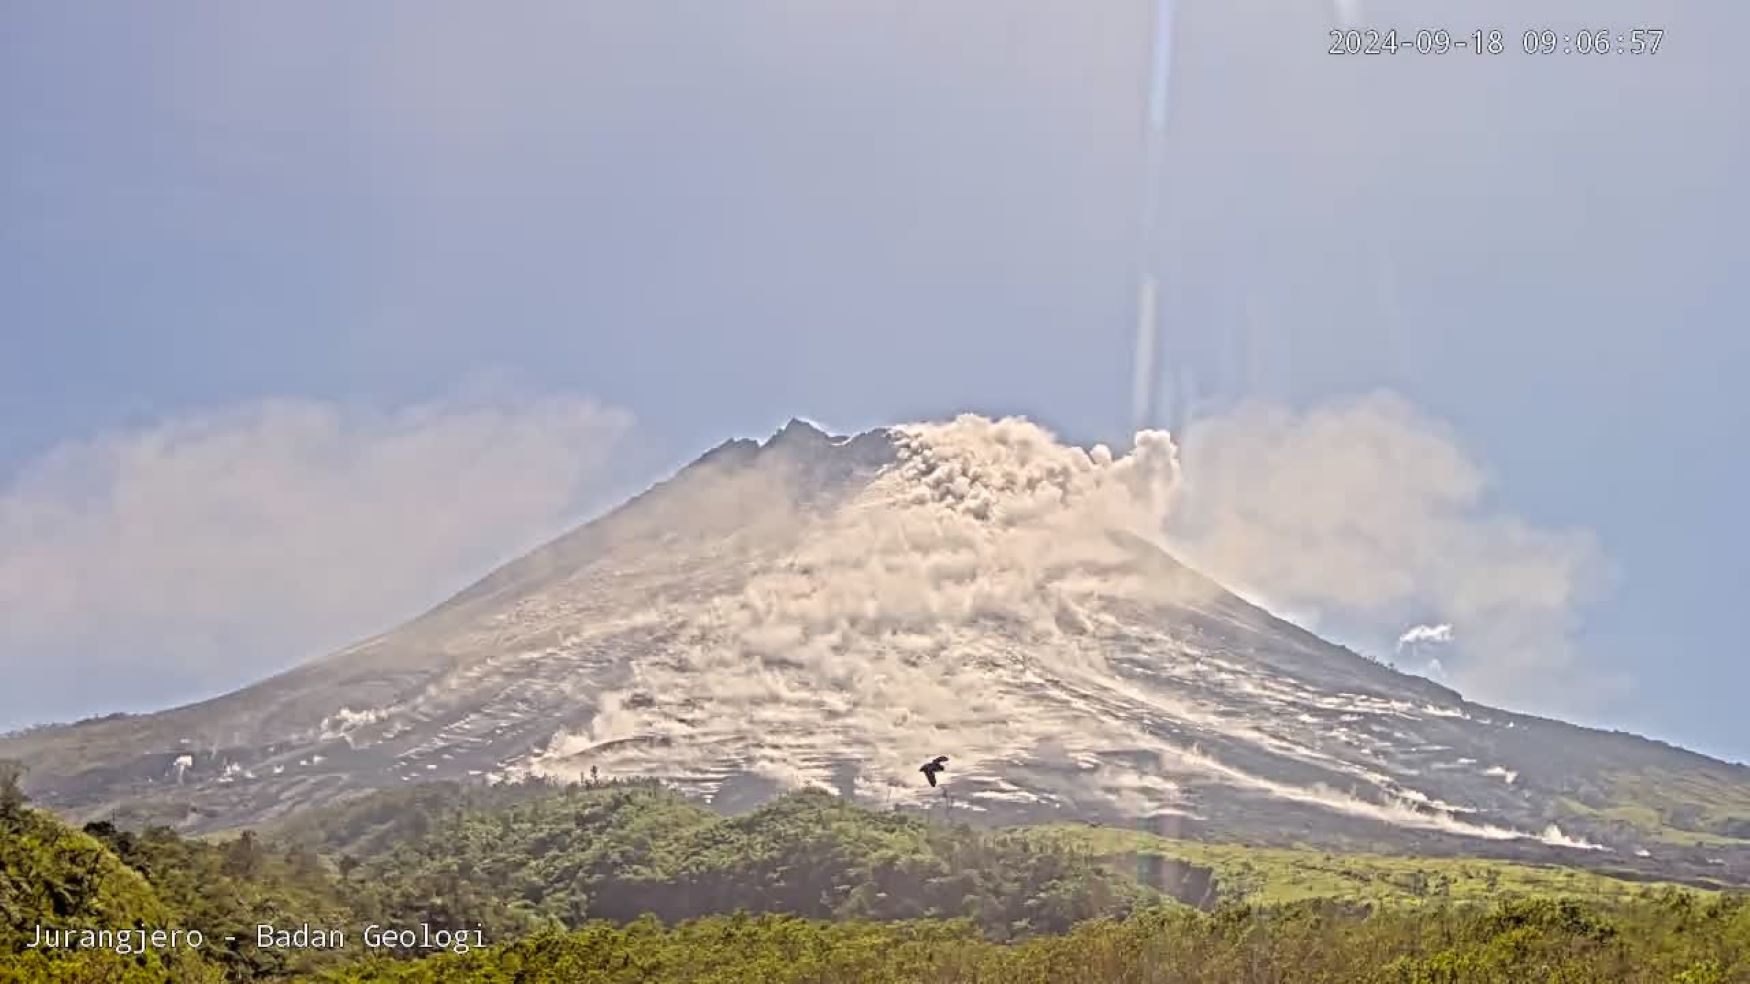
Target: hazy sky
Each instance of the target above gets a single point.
(309, 313)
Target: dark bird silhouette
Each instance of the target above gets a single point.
(933, 766)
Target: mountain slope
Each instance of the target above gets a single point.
(824, 611)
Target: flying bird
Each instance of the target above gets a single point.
(933, 766)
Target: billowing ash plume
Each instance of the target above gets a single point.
(881, 618)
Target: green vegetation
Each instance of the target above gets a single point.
(528, 857)
(522, 860)
(1272, 875)
(1671, 937)
(809, 888)
(52, 875)
(1678, 808)
(227, 888)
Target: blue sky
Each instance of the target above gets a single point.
(336, 255)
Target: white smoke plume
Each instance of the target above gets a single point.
(1553, 836)
(1509, 776)
(979, 522)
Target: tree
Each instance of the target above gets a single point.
(12, 798)
(244, 856)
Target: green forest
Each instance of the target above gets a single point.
(628, 882)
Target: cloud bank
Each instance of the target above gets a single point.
(204, 551)
(1368, 514)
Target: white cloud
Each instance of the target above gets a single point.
(1425, 635)
(220, 545)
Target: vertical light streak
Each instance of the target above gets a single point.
(1142, 385)
(1148, 327)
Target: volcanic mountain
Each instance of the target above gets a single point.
(827, 611)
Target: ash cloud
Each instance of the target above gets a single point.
(1367, 513)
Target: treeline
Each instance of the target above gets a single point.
(1671, 938)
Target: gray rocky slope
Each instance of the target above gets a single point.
(827, 611)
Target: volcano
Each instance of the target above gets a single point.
(828, 611)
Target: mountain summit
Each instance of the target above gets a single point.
(820, 610)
